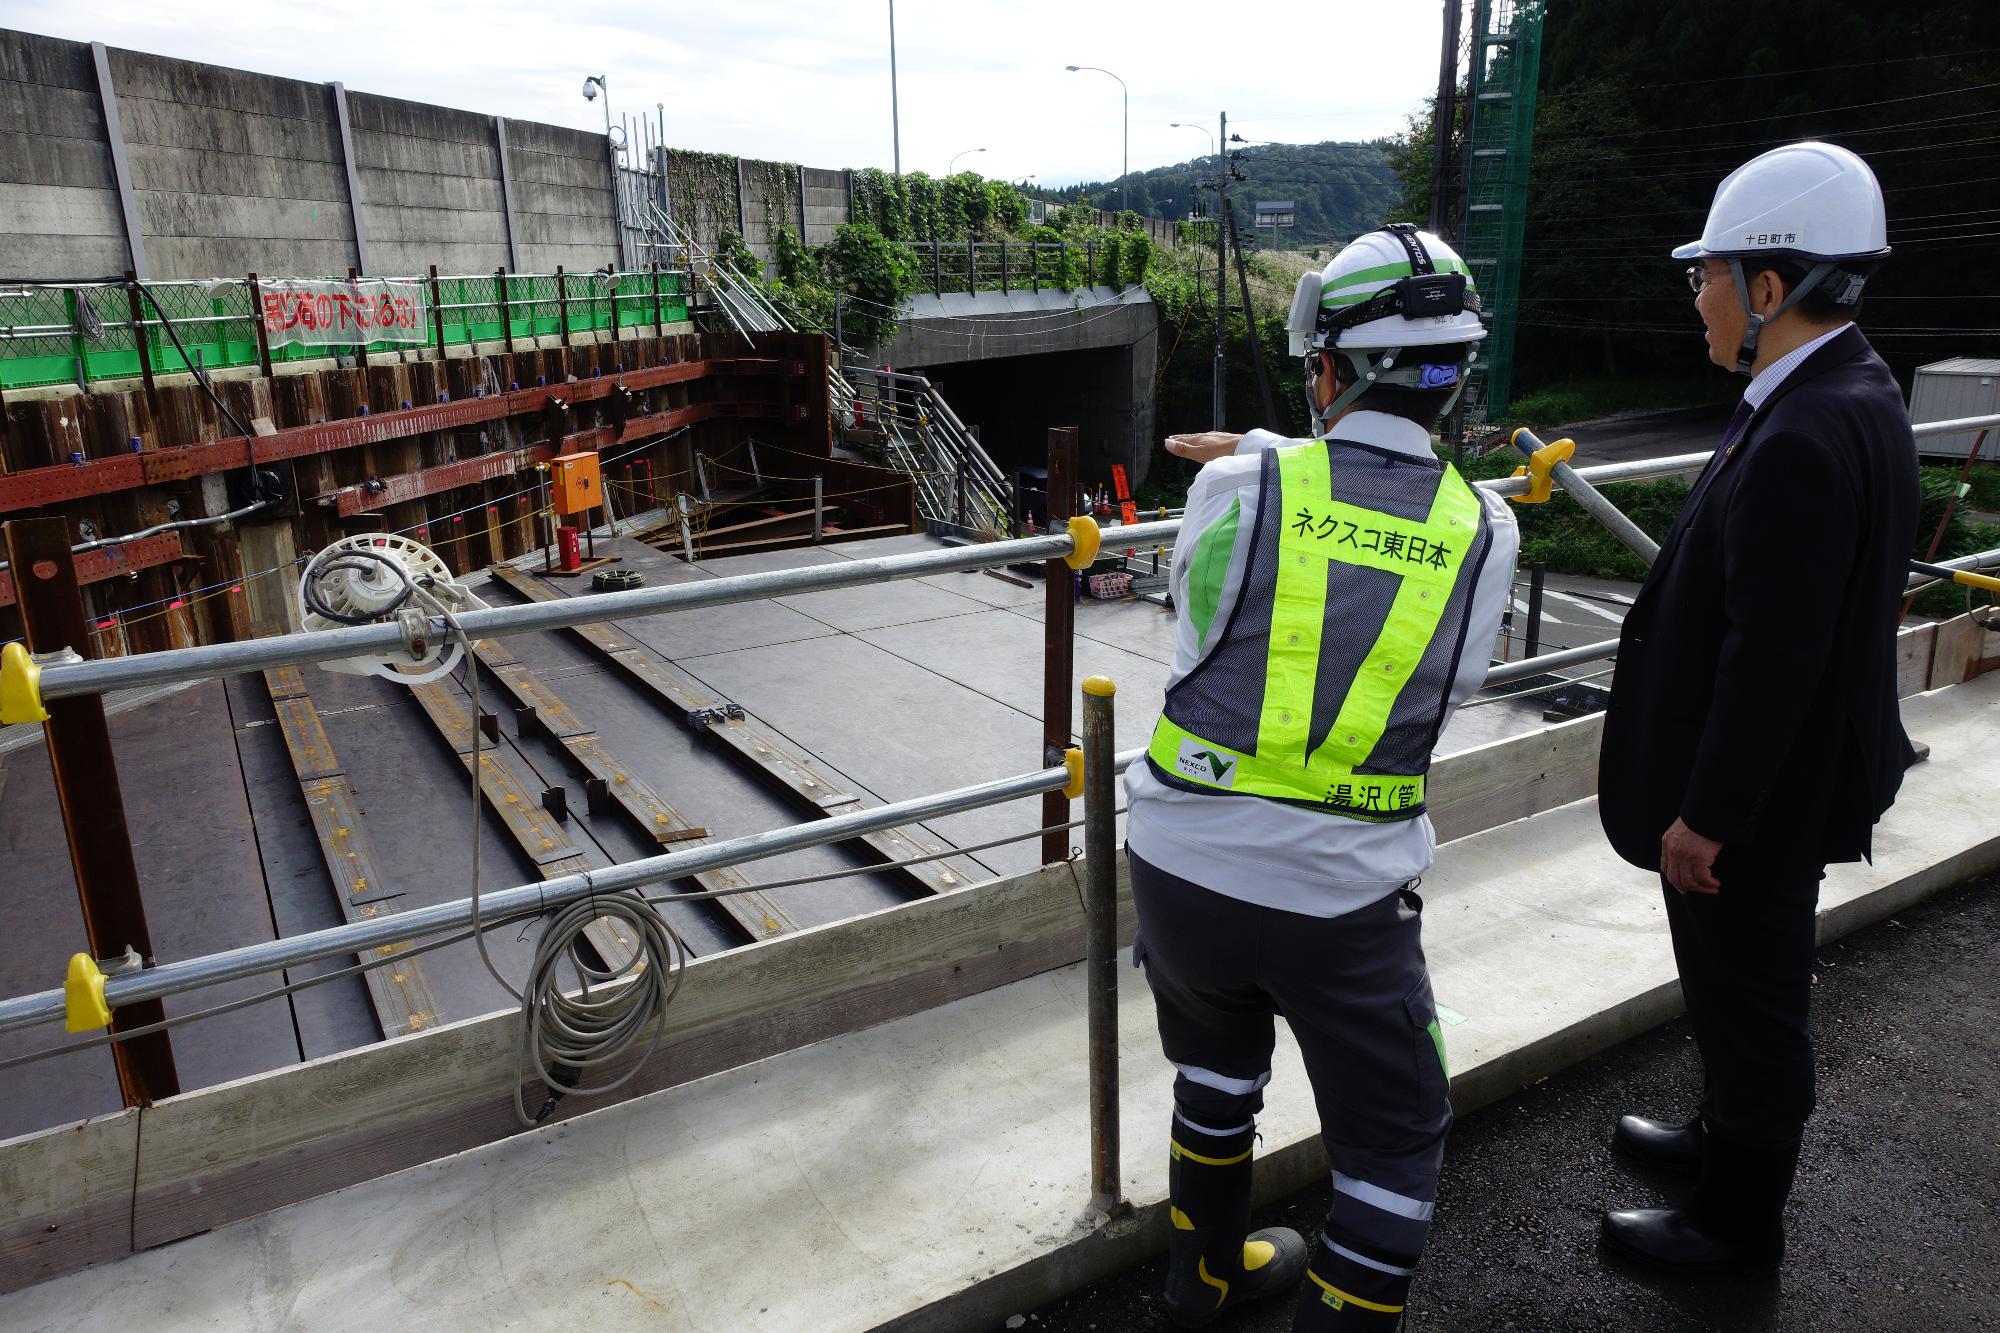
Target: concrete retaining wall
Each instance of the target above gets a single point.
(430, 186)
(234, 172)
(58, 199)
(826, 203)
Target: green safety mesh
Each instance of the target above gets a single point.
(82, 333)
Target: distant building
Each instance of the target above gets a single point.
(1275, 213)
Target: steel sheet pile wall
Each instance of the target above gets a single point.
(443, 449)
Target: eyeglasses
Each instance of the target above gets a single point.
(1699, 277)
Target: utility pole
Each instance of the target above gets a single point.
(1221, 259)
(1443, 113)
(1250, 320)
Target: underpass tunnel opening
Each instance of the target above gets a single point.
(1014, 401)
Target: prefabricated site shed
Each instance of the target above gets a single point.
(1964, 386)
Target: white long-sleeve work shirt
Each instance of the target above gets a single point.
(1267, 852)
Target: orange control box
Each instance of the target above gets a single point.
(574, 482)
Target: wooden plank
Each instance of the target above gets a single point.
(534, 830)
(756, 912)
(1955, 659)
(790, 772)
(1511, 779)
(1913, 659)
(66, 1197)
(401, 993)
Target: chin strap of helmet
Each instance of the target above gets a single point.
(1746, 355)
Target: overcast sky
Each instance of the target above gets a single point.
(805, 82)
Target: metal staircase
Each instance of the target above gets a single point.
(958, 484)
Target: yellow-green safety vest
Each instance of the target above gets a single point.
(1428, 557)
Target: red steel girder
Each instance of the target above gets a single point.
(51, 485)
(111, 561)
(351, 500)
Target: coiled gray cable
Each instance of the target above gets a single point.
(565, 1035)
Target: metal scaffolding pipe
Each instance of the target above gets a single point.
(526, 900)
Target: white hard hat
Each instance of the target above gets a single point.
(1814, 200)
(1396, 287)
(1387, 291)
(1814, 203)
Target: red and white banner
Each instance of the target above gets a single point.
(333, 311)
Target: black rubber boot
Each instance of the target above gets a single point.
(1214, 1261)
(1340, 1294)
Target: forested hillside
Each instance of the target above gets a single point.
(1645, 107)
(1341, 189)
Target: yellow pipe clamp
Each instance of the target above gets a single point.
(1086, 536)
(20, 686)
(1541, 463)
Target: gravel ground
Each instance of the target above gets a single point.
(1893, 1222)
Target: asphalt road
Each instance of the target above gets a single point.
(1630, 436)
(1894, 1224)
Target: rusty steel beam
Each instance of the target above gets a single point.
(400, 992)
(758, 750)
(534, 830)
(359, 499)
(51, 485)
(93, 812)
(111, 561)
(758, 915)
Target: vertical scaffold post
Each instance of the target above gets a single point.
(1537, 572)
(140, 343)
(437, 313)
(1100, 903)
(506, 313)
(257, 324)
(93, 812)
(1058, 640)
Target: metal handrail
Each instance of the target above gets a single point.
(524, 900)
(63, 679)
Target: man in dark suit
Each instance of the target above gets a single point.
(1753, 736)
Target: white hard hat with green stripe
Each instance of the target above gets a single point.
(1396, 287)
(1391, 289)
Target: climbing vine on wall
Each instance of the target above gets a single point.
(703, 189)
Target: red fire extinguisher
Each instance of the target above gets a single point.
(569, 549)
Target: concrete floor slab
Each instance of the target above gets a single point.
(937, 1163)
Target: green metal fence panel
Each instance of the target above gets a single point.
(55, 334)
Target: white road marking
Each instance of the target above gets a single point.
(1547, 619)
(1589, 606)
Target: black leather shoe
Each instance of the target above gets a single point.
(1657, 1141)
(1668, 1238)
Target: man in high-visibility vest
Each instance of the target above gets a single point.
(1338, 598)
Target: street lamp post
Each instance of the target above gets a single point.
(1184, 125)
(963, 152)
(1123, 187)
(895, 116)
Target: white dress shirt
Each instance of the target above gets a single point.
(1768, 379)
(1267, 852)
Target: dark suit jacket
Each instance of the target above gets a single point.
(1756, 689)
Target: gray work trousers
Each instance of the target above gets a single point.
(1357, 996)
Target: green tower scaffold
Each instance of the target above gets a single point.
(1500, 138)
